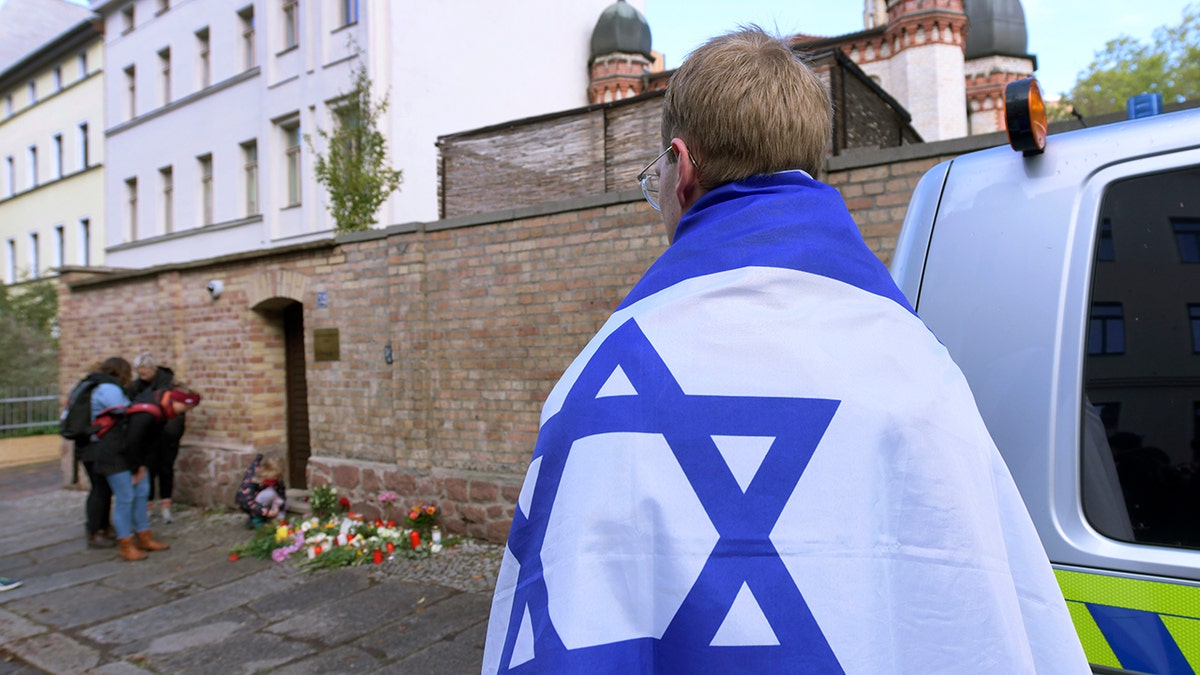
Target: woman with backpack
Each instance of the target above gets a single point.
(103, 388)
(121, 454)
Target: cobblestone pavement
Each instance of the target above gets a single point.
(191, 610)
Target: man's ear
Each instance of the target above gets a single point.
(687, 188)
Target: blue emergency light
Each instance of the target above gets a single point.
(1143, 105)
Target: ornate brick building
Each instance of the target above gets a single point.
(945, 61)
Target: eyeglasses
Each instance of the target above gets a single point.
(649, 178)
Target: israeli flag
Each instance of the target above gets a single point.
(764, 462)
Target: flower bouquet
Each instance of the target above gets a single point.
(336, 537)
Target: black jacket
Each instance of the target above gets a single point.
(129, 443)
(166, 442)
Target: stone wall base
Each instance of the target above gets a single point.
(483, 509)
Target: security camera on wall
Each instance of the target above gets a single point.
(215, 288)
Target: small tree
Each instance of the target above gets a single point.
(28, 346)
(1126, 67)
(354, 168)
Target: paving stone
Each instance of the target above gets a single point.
(68, 578)
(118, 668)
(56, 653)
(187, 636)
(321, 589)
(11, 665)
(358, 614)
(165, 618)
(443, 658)
(246, 653)
(428, 624)
(14, 627)
(85, 605)
(341, 660)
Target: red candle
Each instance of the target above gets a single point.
(378, 555)
(391, 548)
(415, 538)
(233, 557)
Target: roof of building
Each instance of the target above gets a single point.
(996, 27)
(621, 29)
(26, 25)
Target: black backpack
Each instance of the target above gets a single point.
(75, 423)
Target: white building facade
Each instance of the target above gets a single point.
(51, 156)
(209, 104)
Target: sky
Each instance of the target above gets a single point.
(1064, 34)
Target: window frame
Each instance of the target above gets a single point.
(205, 163)
(253, 196)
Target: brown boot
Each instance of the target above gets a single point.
(98, 540)
(147, 542)
(128, 550)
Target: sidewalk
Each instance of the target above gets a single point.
(29, 450)
(190, 610)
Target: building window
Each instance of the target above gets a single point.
(58, 156)
(205, 59)
(131, 92)
(163, 6)
(8, 105)
(11, 183)
(33, 167)
(1187, 238)
(291, 135)
(164, 66)
(85, 242)
(60, 247)
(1194, 320)
(206, 189)
(57, 78)
(348, 10)
(83, 146)
(247, 18)
(1106, 329)
(250, 159)
(131, 203)
(291, 23)
(10, 270)
(35, 256)
(127, 19)
(167, 179)
(32, 92)
(83, 65)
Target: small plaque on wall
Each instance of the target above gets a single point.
(326, 345)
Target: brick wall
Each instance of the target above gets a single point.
(482, 315)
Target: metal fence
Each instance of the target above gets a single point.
(23, 409)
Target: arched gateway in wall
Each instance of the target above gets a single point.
(275, 297)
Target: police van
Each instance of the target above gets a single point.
(1063, 275)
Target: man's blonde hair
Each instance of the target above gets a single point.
(745, 104)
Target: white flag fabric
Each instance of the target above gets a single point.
(764, 462)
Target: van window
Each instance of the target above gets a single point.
(1141, 407)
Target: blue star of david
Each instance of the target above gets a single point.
(743, 553)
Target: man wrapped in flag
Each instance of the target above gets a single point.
(764, 462)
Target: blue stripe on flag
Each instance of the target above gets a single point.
(785, 220)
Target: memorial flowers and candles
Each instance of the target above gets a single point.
(336, 536)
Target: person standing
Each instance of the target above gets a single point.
(112, 376)
(151, 377)
(764, 461)
(120, 454)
